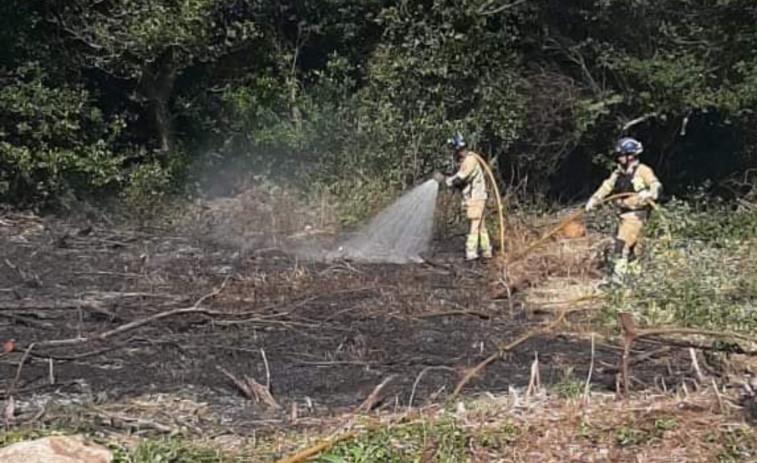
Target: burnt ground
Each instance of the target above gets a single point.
(330, 332)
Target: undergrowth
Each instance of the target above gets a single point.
(699, 269)
(442, 442)
(481, 434)
(169, 451)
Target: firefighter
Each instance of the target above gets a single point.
(470, 179)
(630, 176)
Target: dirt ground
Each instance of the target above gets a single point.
(323, 335)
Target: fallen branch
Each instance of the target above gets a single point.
(129, 422)
(27, 321)
(5, 394)
(17, 378)
(10, 406)
(587, 387)
(70, 358)
(418, 380)
(316, 449)
(252, 389)
(137, 323)
(268, 321)
(450, 313)
(695, 365)
(41, 305)
(336, 438)
(481, 366)
(534, 384)
(694, 332)
(631, 334)
(373, 397)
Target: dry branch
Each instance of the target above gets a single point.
(587, 387)
(252, 389)
(17, 378)
(316, 449)
(10, 408)
(418, 380)
(137, 323)
(122, 421)
(631, 334)
(485, 11)
(557, 229)
(336, 438)
(373, 397)
(539, 331)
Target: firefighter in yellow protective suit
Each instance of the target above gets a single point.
(636, 178)
(470, 179)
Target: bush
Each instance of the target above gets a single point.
(53, 139)
(703, 275)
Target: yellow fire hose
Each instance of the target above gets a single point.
(555, 230)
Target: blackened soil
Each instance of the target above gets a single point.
(328, 332)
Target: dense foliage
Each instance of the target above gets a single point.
(358, 96)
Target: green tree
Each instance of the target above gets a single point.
(145, 45)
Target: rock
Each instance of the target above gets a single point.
(56, 449)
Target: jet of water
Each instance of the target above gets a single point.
(399, 234)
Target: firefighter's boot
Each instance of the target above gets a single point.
(486, 245)
(620, 270)
(471, 247)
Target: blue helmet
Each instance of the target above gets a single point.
(457, 141)
(628, 146)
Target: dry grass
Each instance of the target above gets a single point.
(546, 265)
(516, 428)
(649, 429)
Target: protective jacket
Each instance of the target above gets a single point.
(471, 178)
(634, 179)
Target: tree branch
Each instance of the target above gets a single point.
(482, 11)
(638, 120)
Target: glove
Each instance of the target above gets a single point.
(591, 204)
(450, 181)
(644, 196)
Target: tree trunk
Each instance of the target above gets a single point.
(161, 118)
(157, 86)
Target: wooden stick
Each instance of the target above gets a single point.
(17, 378)
(418, 380)
(335, 439)
(587, 387)
(629, 334)
(316, 449)
(695, 365)
(136, 323)
(10, 407)
(694, 331)
(370, 401)
(481, 366)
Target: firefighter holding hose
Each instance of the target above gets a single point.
(641, 187)
(470, 180)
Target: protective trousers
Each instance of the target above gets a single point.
(478, 236)
(627, 240)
